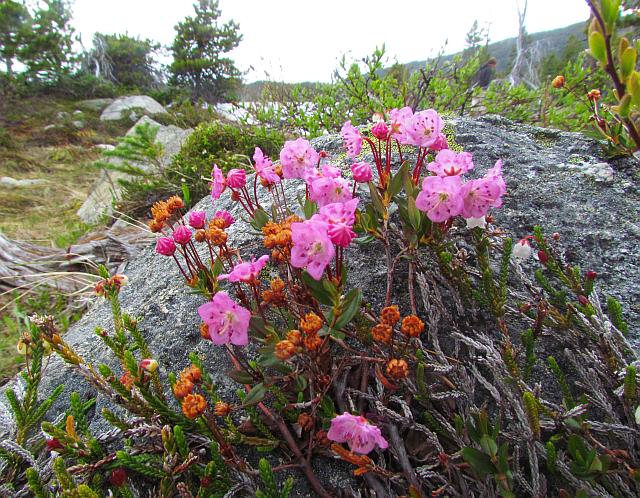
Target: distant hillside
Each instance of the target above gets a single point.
(504, 51)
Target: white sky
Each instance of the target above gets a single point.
(303, 40)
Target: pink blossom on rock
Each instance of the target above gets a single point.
(165, 246)
(352, 139)
(312, 248)
(264, 167)
(331, 170)
(227, 321)
(440, 197)
(423, 128)
(399, 119)
(246, 272)
(362, 172)
(197, 219)
(226, 216)
(380, 130)
(340, 217)
(479, 196)
(357, 432)
(495, 173)
(297, 156)
(219, 183)
(236, 178)
(325, 190)
(451, 163)
(441, 143)
(182, 235)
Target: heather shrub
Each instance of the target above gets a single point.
(493, 373)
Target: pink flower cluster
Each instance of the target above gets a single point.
(227, 321)
(236, 179)
(264, 167)
(357, 432)
(314, 239)
(246, 272)
(422, 129)
(445, 195)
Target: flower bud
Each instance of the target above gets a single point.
(226, 216)
(197, 219)
(524, 307)
(165, 246)
(362, 172)
(182, 235)
(323, 154)
(555, 236)
(591, 275)
(543, 257)
(149, 364)
(583, 300)
(558, 81)
(236, 178)
(594, 95)
(397, 369)
(221, 409)
(440, 143)
(118, 476)
(380, 130)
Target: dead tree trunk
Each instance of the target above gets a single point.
(24, 265)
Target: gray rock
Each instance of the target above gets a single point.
(50, 127)
(78, 124)
(118, 109)
(106, 188)
(62, 115)
(598, 223)
(7, 181)
(94, 104)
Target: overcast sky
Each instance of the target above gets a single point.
(298, 40)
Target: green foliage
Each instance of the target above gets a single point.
(198, 49)
(47, 50)
(14, 18)
(125, 60)
(614, 309)
(271, 488)
(630, 386)
(226, 145)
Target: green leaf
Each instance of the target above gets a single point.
(610, 10)
(318, 290)
(350, 307)
(310, 208)
(597, 47)
(628, 61)
(376, 200)
(413, 214)
(255, 395)
(240, 376)
(633, 85)
(480, 463)
(260, 219)
(186, 194)
(395, 185)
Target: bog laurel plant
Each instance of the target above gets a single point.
(438, 392)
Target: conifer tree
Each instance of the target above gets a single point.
(198, 53)
(14, 19)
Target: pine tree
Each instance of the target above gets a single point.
(198, 49)
(47, 52)
(14, 19)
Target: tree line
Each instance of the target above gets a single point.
(39, 48)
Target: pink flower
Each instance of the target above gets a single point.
(226, 216)
(340, 217)
(197, 219)
(357, 432)
(297, 156)
(182, 235)
(380, 130)
(479, 196)
(312, 248)
(522, 250)
(219, 183)
(399, 118)
(331, 170)
(236, 178)
(165, 246)
(451, 163)
(352, 139)
(441, 143)
(423, 128)
(362, 172)
(228, 322)
(325, 190)
(264, 167)
(246, 272)
(440, 197)
(495, 173)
